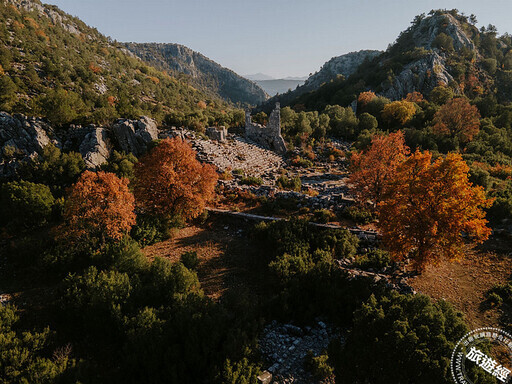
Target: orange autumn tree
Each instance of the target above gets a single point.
(372, 170)
(99, 206)
(429, 206)
(171, 182)
(457, 119)
(365, 97)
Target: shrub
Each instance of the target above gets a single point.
(251, 180)
(290, 183)
(190, 260)
(22, 354)
(323, 216)
(240, 372)
(358, 215)
(319, 365)
(25, 204)
(376, 259)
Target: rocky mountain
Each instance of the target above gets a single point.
(55, 66)
(344, 65)
(204, 73)
(441, 48)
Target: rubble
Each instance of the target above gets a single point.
(285, 347)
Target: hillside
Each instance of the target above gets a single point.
(442, 48)
(344, 65)
(205, 74)
(53, 65)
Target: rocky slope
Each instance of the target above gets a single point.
(432, 69)
(53, 65)
(442, 48)
(344, 65)
(205, 74)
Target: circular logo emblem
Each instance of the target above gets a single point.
(481, 355)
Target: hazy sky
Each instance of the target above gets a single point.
(277, 37)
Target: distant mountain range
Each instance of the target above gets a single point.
(278, 86)
(344, 65)
(274, 86)
(203, 73)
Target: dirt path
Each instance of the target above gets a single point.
(464, 284)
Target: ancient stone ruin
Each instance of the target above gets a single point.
(217, 133)
(268, 136)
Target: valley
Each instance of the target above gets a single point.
(166, 220)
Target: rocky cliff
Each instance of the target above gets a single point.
(204, 73)
(23, 137)
(344, 65)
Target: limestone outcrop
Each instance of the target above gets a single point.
(421, 75)
(24, 136)
(135, 135)
(95, 147)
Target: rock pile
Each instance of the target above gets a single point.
(285, 347)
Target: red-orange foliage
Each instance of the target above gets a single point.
(372, 170)
(414, 97)
(99, 206)
(94, 68)
(365, 97)
(428, 206)
(170, 181)
(457, 119)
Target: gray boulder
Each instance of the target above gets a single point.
(24, 135)
(95, 147)
(135, 135)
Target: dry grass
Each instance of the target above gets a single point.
(465, 284)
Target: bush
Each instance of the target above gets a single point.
(240, 372)
(319, 365)
(376, 259)
(151, 229)
(323, 216)
(251, 180)
(289, 183)
(23, 356)
(190, 260)
(358, 215)
(25, 204)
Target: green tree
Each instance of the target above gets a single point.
(401, 339)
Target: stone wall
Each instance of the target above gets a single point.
(268, 136)
(217, 133)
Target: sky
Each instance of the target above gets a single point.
(277, 37)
